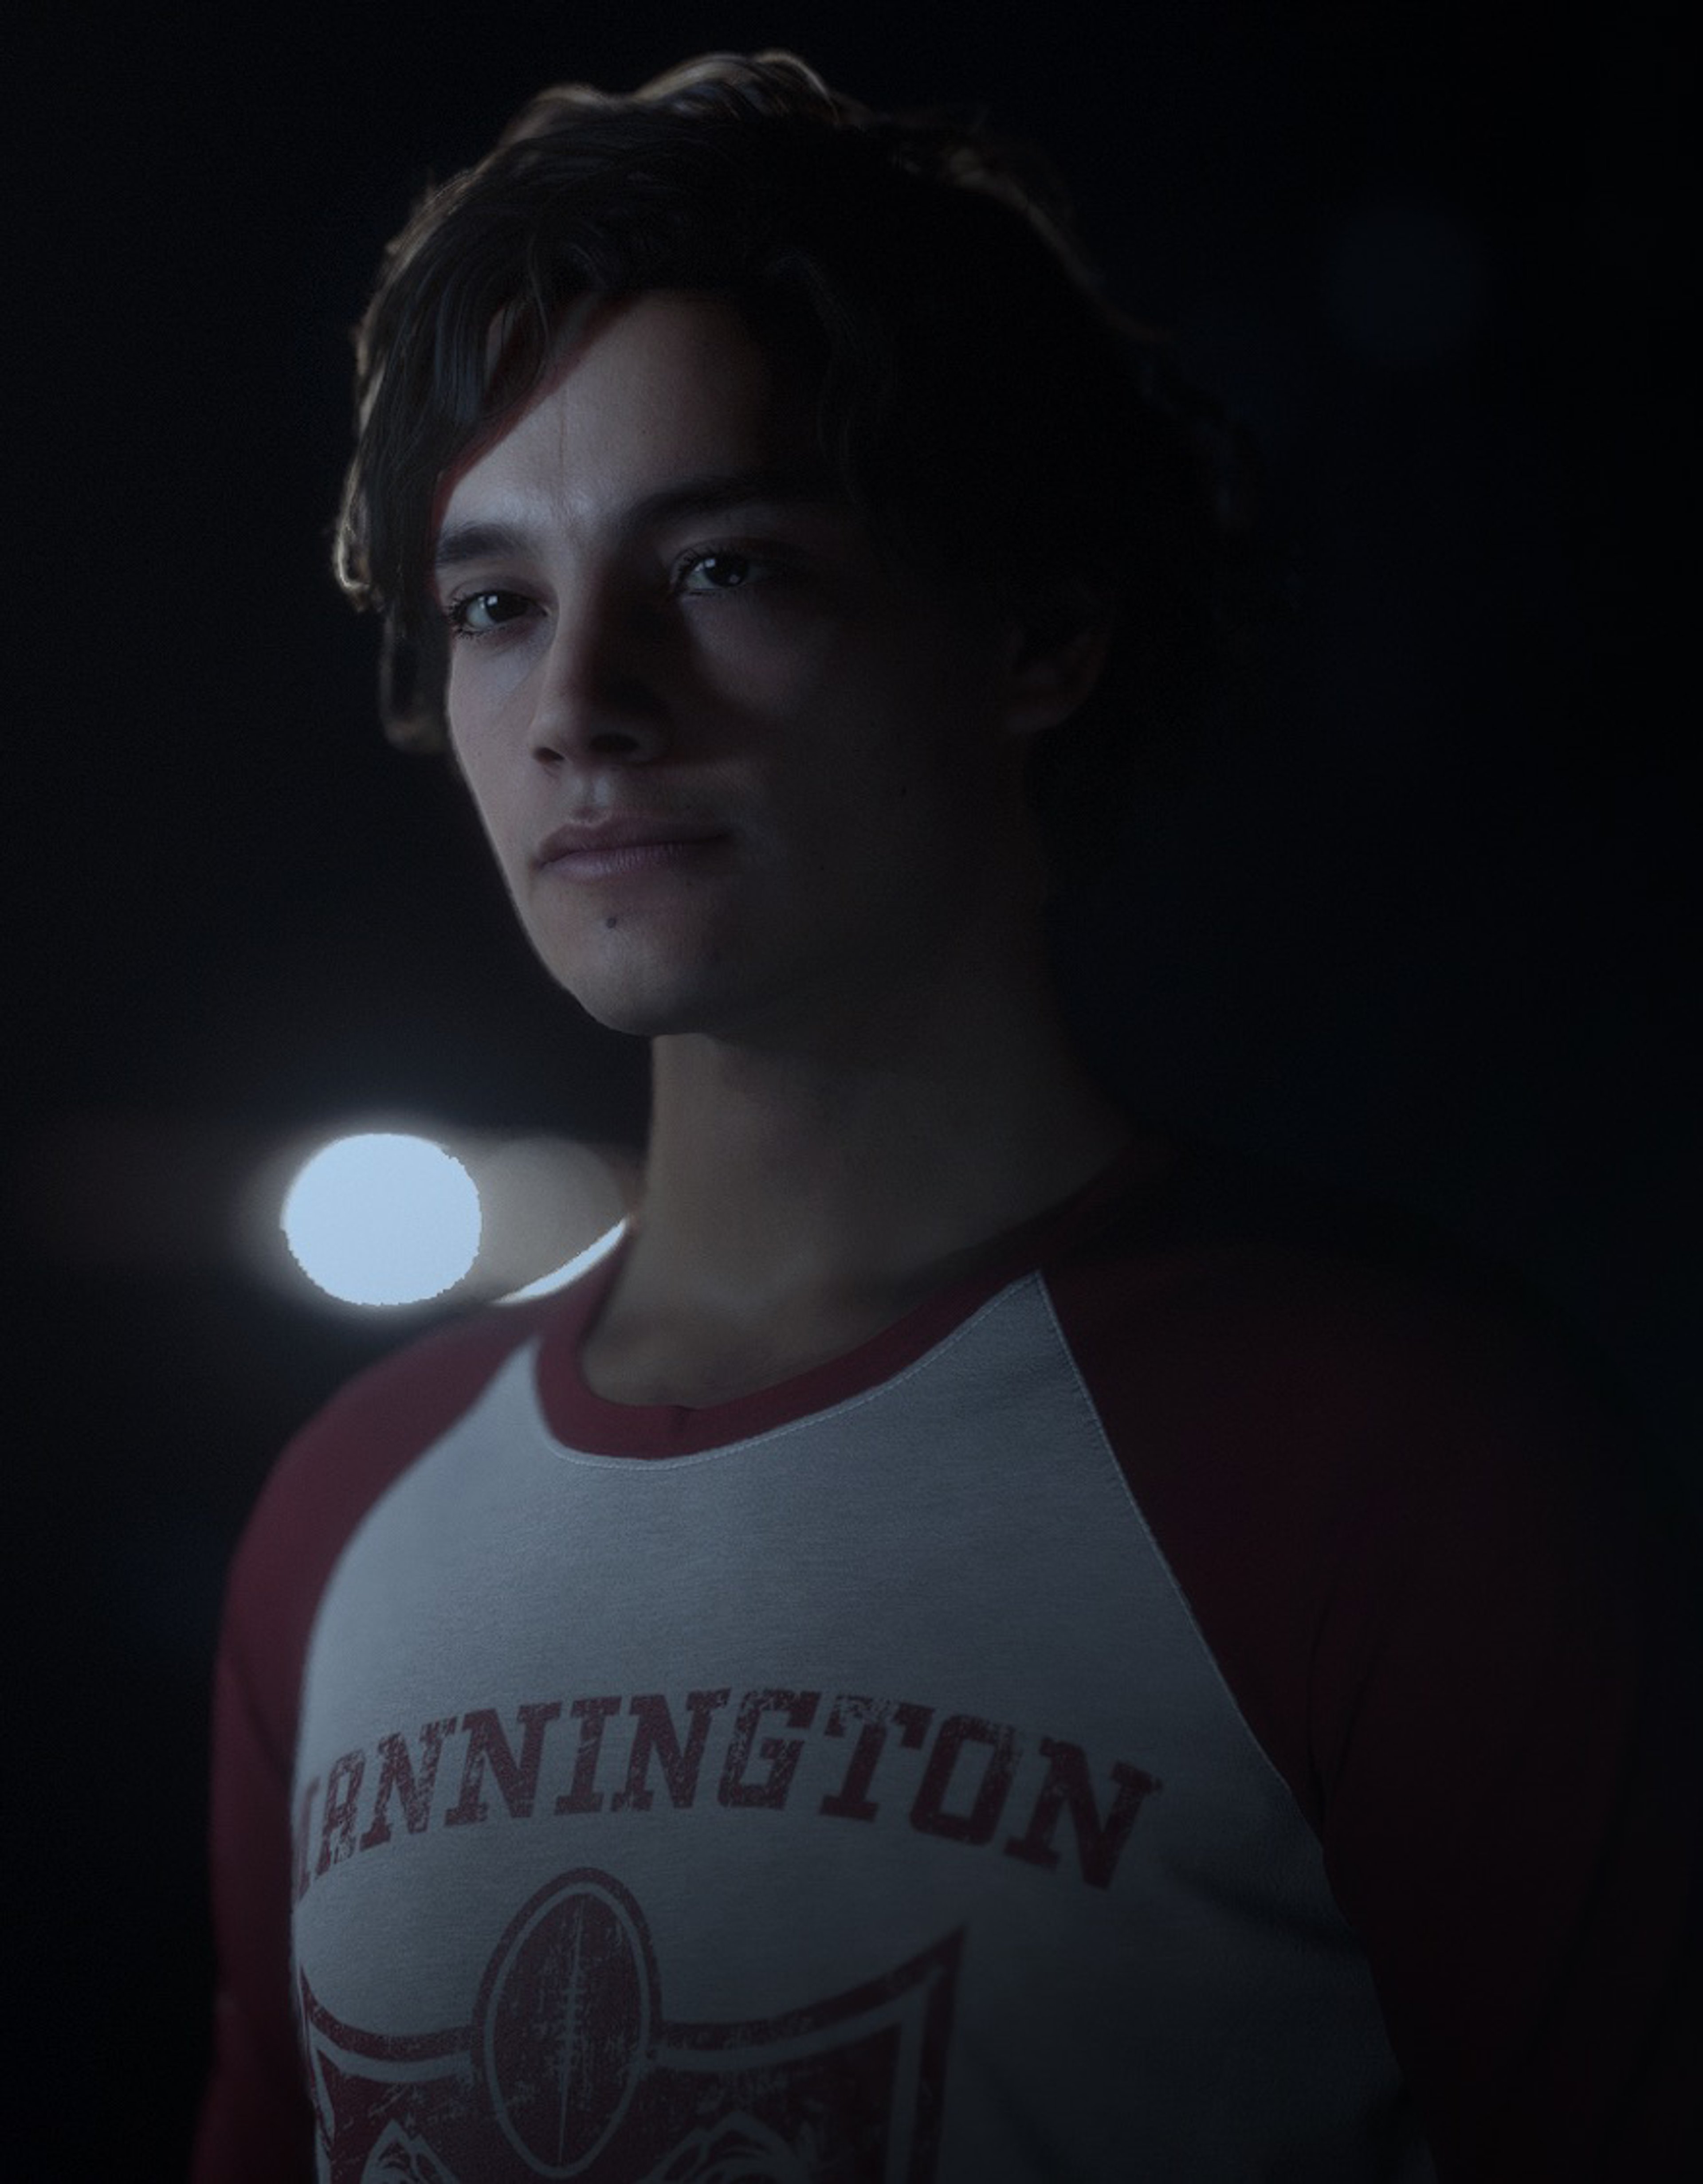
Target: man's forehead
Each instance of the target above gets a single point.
(654, 405)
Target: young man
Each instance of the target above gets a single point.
(970, 1645)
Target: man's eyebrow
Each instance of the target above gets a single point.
(475, 541)
(715, 494)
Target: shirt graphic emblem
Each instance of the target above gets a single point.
(569, 2068)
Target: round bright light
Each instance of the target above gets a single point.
(382, 1219)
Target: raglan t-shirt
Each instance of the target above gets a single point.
(1194, 1702)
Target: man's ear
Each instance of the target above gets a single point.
(1052, 667)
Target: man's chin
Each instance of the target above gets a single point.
(641, 1008)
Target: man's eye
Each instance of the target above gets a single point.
(720, 572)
(478, 613)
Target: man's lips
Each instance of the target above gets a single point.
(596, 849)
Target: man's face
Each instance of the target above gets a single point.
(743, 771)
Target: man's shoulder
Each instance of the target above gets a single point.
(346, 1457)
(1255, 1271)
(1271, 1358)
(402, 1403)
(1372, 1461)
(407, 1397)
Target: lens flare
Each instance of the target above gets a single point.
(382, 1218)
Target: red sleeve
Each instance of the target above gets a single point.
(256, 2126)
(1433, 1589)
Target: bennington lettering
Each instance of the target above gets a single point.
(955, 1776)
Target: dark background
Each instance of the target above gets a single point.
(1419, 923)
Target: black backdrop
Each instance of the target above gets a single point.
(1419, 923)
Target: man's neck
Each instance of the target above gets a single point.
(800, 1196)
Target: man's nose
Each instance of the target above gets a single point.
(599, 693)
